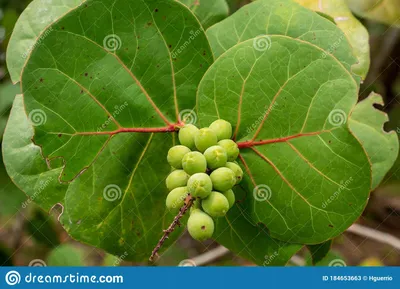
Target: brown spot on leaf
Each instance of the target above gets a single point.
(330, 225)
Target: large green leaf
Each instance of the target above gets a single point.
(355, 32)
(386, 11)
(82, 111)
(283, 17)
(308, 178)
(382, 147)
(28, 30)
(208, 12)
(94, 209)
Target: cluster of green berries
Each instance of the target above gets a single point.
(204, 167)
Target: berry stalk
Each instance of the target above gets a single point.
(171, 228)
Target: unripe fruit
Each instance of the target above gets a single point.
(237, 170)
(187, 134)
(216, 157)
(216, 205)
(199, 185)
(200, 225)
(223, 179)
(231, 149)
(176, 199)
(177, 178)
(204, 139)
(194, 162)
(222, 129)
(230, 196)
(176, 154)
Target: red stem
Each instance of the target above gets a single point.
(251, 143)
(170, 128)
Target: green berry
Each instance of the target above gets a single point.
(216, 157)
(230, 196)
(200, 225)
(222, 128)
(199, 185)
(223, 179)
(231, 148)
(216, 205)
(187, 134)
(194, 162)
(177, 178)
(237, 170)
(176, 154)
(176, 199)
(204, 139)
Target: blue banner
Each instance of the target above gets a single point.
(200, 277)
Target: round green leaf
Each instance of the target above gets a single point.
(382, 147)
(308, 178)
(285, 17)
